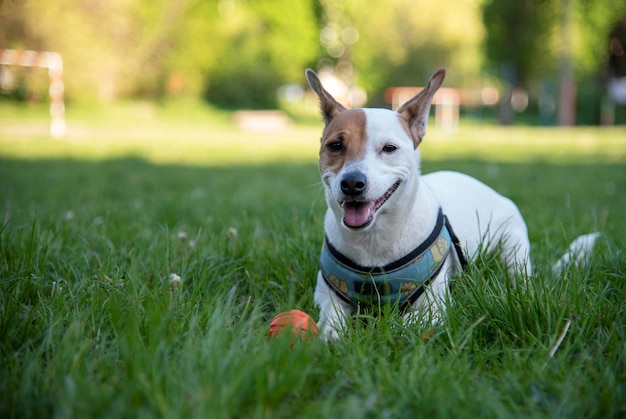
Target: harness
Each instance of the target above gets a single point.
(401, 281)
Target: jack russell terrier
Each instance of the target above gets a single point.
(389, 229)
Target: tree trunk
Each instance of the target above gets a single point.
(567, 85)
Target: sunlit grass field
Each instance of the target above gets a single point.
(95, 225)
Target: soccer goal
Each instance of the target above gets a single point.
(54, 63)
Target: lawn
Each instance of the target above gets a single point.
(95, 225)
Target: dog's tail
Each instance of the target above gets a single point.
(578, 253)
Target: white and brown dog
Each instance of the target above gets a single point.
(388, 228)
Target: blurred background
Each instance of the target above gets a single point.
(538, 62)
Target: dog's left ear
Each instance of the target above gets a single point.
(415, 111)
(329, 106)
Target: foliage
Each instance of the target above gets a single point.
(534, 54)
(266, 44)
(402, 42)
(110, 48)
(594, 20)
(143, 48)
(509, 41)
(236, 53)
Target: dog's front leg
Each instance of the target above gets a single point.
(333, 311)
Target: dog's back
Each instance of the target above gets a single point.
(481, 216)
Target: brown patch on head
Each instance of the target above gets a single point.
(343, 140)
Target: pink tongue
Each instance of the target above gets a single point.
(356, 214)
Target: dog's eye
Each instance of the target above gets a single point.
(335, 146)
(389, 148)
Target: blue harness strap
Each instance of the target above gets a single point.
(402, 281)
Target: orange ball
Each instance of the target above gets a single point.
(297, 321)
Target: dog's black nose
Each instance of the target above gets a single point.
(353, 183)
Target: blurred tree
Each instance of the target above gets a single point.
(238, 52)
(519, 34)
(518, 43)
(263, 44)
(616, 60)
(593, 22)
(109, 47)
(196, 45)
(402, 42)
(14, 30)
(526, 41)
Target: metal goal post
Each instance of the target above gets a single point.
(54, 63)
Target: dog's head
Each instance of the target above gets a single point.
(369, 157)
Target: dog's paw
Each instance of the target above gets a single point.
(329, 334)
(330, 326)
(332, 320)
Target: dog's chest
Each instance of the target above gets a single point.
(401, 281)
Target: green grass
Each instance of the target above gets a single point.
(94, 225)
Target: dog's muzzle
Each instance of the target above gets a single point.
(359, 213)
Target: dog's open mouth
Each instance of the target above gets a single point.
(357, 214)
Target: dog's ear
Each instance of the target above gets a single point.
(329, 106)
(415, 111)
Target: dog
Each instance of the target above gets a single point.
(392, 234)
